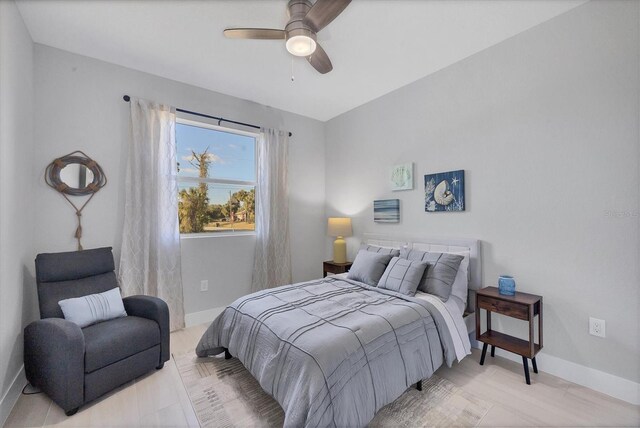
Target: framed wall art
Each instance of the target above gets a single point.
(402, 177)
(444, 191)
(386, 211)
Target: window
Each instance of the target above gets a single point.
(216, 178)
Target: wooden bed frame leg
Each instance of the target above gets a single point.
(227, 354)
(419, 385)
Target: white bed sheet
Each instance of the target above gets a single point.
(453, 317)
(455, 322)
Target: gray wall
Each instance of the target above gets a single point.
(79, 106)
(545, 125)
(17, 290)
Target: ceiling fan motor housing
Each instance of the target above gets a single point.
(296, 26)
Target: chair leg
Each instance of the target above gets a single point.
(525, 364)
(484, 353)
(72, 412)
(535, 366)
(419, 385)
(227, 354)
(493, 350)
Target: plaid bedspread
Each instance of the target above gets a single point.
(332, 352)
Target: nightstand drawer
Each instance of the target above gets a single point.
(503, 307)
(335, 268)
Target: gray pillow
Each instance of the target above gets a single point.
(381, 250)
(368, 267)
(87, 310)
(441, 273)
(403, 276)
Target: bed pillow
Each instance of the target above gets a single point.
(441, 273)
(87, 310)
(460, 287)
(381, 250)
(368, 267)
(402, 276)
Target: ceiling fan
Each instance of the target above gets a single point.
(306, 19)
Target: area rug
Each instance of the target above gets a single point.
(224, 394)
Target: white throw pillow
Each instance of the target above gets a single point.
(460, 286)
(87, 310)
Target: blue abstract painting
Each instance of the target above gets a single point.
(386, 211)
(444, 191)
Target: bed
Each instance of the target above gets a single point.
(333, 351)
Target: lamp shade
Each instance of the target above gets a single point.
(339, 226)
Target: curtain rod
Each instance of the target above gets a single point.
(127, 98)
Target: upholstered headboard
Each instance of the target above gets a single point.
(440, 245)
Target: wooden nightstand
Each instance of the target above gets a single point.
(335, 268)
(522, 306)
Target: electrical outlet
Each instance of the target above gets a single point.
(597, 327)
(204, 285)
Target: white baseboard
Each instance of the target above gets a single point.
(202, 317)
(606, 383)
(11, 396)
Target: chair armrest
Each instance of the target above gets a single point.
(54, 360)
(154, 309)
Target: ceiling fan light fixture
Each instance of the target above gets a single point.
(301, 45)
(305, 20)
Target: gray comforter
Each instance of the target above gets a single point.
(332, 352)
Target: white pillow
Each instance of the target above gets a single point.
(87, 310)
(460, 286)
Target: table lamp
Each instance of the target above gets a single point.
(339, 227)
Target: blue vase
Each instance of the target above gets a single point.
(507, 285)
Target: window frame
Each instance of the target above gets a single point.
(197, 180)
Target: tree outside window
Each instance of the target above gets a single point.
(216, 177)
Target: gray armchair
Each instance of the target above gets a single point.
(76, 365)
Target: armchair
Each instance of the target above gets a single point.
(76, 365)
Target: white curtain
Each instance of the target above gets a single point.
(150, 256)
(272, 263)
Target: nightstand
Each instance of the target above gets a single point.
(335, 268)
(522, 306)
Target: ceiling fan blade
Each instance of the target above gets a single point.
(320, 60)
(255, 33)
(323, 12)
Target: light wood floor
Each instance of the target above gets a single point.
(159, 398)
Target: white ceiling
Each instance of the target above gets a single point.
(376, 46)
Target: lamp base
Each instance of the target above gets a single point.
(339, 250)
